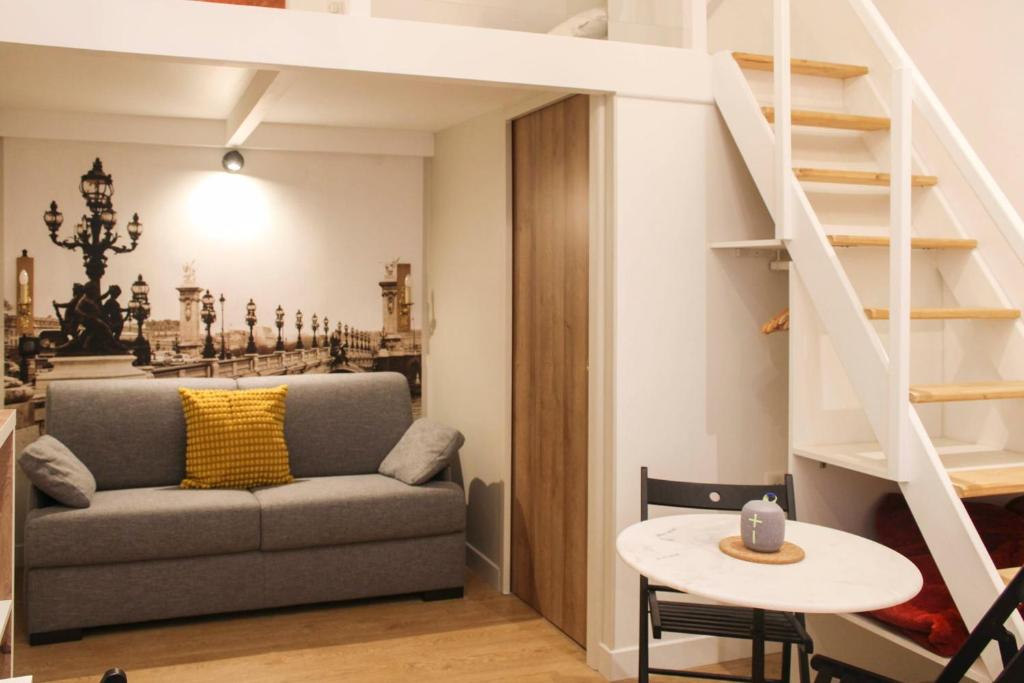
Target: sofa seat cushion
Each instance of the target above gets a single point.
(126, 525)
(324, 511)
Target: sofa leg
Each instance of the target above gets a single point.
(443, 594)
(50, 637)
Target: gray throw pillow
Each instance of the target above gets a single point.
(55, 471)
(425, 449)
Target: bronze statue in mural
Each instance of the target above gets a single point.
(92, 322)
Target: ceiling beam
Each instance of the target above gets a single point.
(262, 92)
(182, 132)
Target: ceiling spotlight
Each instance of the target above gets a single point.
(233, 161)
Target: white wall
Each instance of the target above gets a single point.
(651, 22)
(537, 16)
(700, 394)
(309, 231)
(467, 375)
(970, 54)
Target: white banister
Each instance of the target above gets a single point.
(783, 123)
(898, 425)
(967, 160)
(952, 139)
(695, 21)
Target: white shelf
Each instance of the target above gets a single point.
(892, 635)
(772, 245)
(868, 458)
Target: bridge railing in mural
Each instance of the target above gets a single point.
(281, 363)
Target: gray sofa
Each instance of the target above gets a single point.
(146, 549)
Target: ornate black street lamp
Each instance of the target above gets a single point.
(327, 332)
(250, 320)
(88, 328)
(279, 321)
(139, 310)
(209, 317)
(298, 328)
(223, 345)
(316, 326)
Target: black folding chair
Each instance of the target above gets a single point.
(990, 628)
(755, 625)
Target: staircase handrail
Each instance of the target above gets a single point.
(978, 177)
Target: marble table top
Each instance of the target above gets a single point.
(842, 573)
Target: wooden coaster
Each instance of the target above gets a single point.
(787, 554)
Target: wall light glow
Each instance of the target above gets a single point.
(228, 207)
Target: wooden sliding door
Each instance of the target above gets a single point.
(549, 421)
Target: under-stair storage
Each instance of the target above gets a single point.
(905, 332)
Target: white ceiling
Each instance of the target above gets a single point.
(50, 79)
(347, 98)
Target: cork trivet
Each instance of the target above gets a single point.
(787, 554)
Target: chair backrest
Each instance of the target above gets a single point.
(992, 627)
(724, 497)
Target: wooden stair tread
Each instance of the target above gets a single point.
(828, 119)
(806, 67)
(915, 242)
(949, 313)
(966, 391)
(829, 175)
(1008, 574)
(996, 481)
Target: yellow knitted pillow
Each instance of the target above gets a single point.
(235, 439)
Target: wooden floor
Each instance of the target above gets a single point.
(485, 637)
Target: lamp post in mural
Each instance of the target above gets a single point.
(139, 310)
(209, 316)
(327, 333)
(250, 320)
(279, 321)
(298, 328)
(316, 326)
(87, 327)
(223, 345)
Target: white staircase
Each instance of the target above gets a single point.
(938, 381)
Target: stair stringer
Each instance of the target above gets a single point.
(951, 537)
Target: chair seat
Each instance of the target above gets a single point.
(724, 621)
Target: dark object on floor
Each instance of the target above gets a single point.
(990, 628)
(757, 626)
(444, 594)
(115, 675)
(931, 619)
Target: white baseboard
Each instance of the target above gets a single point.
(483, 566)
(677, 653)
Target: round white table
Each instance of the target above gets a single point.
(841, 573)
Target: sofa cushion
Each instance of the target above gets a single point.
(425, 449)
(143, 524)
(55, 471)
(341, 423)
(235, 438)
(129, 433)
(324, 511)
